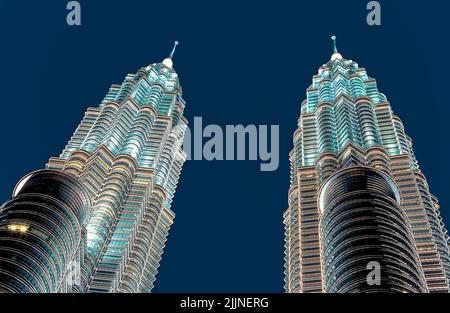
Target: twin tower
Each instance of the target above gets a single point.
(96, 219)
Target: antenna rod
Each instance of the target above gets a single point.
(334, 44)
(175, 44)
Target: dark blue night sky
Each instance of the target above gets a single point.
(239, 63)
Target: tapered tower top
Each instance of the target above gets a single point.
(336, 55)
(168, 61)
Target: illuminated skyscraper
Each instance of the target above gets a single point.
(357, 194)
(97, 218)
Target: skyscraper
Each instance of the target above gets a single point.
(357, 194)
(96, 219)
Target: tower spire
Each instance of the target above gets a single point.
(175, 44)
(168, 61)
(336, 55)
(334, 44)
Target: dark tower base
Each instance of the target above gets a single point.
(41, 233)
(363, 226)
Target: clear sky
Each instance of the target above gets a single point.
(239, 63)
